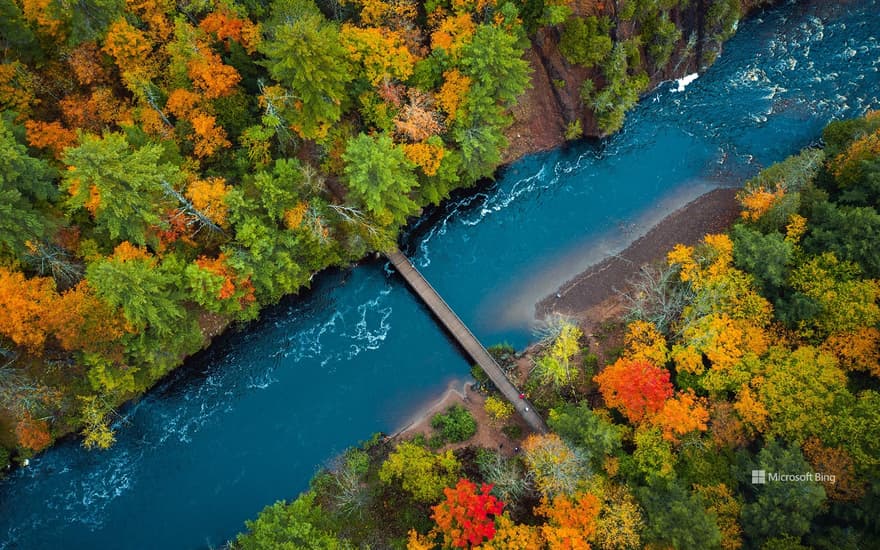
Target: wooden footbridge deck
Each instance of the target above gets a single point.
(465, 338)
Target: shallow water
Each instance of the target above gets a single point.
(250, 420)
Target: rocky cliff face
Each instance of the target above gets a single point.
(553, 102)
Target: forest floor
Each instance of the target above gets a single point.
(593, 300)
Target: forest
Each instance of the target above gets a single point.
(740, 410)
(169, 168)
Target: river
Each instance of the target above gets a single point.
(251, 419)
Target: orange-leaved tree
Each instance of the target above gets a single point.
(636, 388)
(23, 305)
(571, 522)
(49, 135)
(33, 433)
(682, 414)
(208, 196)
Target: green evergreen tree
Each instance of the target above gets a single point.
(677, 518)
(129, 182)
(586, 41)
(780, 507)
(25, 184)
(147, 294)
(304, 55)
(380, 178)
(583, 428)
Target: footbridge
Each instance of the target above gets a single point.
(454, 325)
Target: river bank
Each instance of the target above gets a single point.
(712, 212)
(591, 298)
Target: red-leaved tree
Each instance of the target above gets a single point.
(635, 387)
(466, 517)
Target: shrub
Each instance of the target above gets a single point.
(513, 431)
(479, 375)
(574, 130)
(498, 410)
(456, 425)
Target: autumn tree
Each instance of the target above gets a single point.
(856, 350)
(773, 196)
(380, 52)
(420, 472)
(556, 365)
(208, 196)
(645, 343)
(87, 65)
(209, 136)
(723, 503)
(843, 300)
(229, 27)
(80, 320)
(210, 75)
(131, 49)
(453, 92)
(50, 135)
(467, 516)
(96, 430)
(557, 469)
(453, 33)
(803, 392)
(24, 304)
(32, 433)
(727, 428)
(120, 185)
(680, 415)
(620, 520)
(842, 483)
(498, 409)
(509, 534)
(636, 388)
(570, 521)
(417, 121)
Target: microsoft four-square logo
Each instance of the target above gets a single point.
(759, 477)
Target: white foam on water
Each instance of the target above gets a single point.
(461, 212)
(684, 81)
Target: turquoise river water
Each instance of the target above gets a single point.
(251, 419)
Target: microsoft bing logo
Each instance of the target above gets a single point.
(759, 477)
